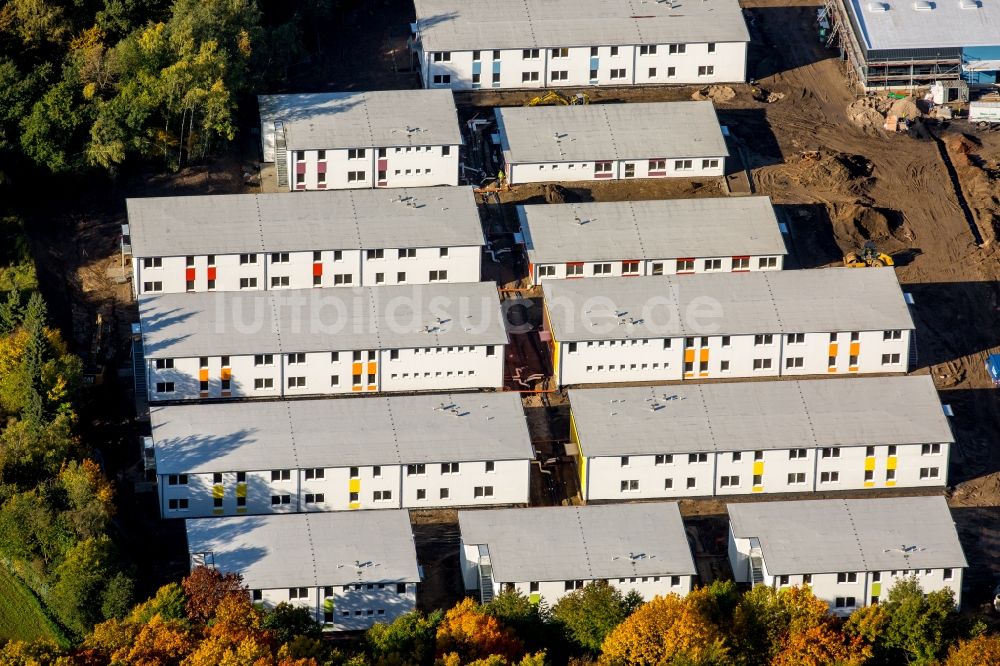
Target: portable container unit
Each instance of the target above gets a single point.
(697, 440)
(307, 342)
(468, 44)
(349, 140)
(426, 451)
(850, 552)
(727, 325)
(349, 570)
(611, 142)
(634, 547)
(631, 238)
(234, 242)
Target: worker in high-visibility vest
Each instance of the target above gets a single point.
(501, 178)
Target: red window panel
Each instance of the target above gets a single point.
(574, 269)
(685, 265)
(741, 264)
(300, 167)
(189, 274)
(320, 167)
(317, 269)
(211, 272)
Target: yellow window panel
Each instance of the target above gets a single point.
(891, 463)
(758, 467)
(241, 490)
(217, 492)
(869, 484)
(869, 464)
(354, 485)
(217, 512)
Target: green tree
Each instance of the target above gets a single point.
(53, 128)
(79, 582)
(907, 626)
(116, 600)
(530, 621)
(286, 622)
(168, 603)
(588, 615)
(409, 639)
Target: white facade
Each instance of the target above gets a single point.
(373, 167)
(611, 142)
(547, 553)
(291, 343)
(707, 326)
(350, 571)
(306, 269)
(465, 45)
(760, 437)
(660, 237)
(849, 552)
(250, 242)
(419, 452)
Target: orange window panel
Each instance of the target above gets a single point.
(356, 368)
(227, 373)
(704, 356)
(203, 375)
(689, 356)
(855, 348)
(371, 367)
(833, 349)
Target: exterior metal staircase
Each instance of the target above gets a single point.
(486, 593)
(280, 154)
(139, 371)
(756, 568)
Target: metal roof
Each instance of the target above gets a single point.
(372, 119)
(746, 416)
(898, 24)
(827, 536)
(581, 542)
(585, 133)
(464, 25)
(333, 220)
(310, 549)
(662, 306)
(310, 320)
(375, 430)
(606, 231)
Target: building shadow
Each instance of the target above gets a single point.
(783, 39)
(750, 132)
(810, 239)
(974, 425)
(979, 533)
(954, 320)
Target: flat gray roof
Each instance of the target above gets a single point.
(310, 320)
(897, 24)
(380, 118)
(666, 130)
(333, 220)
(745, 416)
(805, 301)
(606, 231)
(374, 430)
(310, 549)
(464, 25)
(581, 542)
(827, 536)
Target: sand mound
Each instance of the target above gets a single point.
(905, 108)
(832, 170)
(855, 223)
(868, 113)
(714, 93)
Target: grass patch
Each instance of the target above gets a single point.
(21, 614)
(17, 268)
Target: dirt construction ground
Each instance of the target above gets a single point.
(931, 198)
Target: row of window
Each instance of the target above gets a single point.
(793, 479)
(614, 74)
(311, 499)
(576, 268)
(362, 153)
(310, 473)
(562, 52)
(793, 454)
(759, 364)
(760, 340)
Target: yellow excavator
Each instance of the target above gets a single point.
(867, 256)
(556, 97)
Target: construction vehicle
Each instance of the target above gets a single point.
(867, 256)
(557, 98)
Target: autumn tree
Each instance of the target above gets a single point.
(821, 645)
(468, 632)
(978, 651)
(589, 614)
(169, 603)
(670, 629)
(286, 622)
(206, 587)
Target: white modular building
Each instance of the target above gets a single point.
(631, 238)
(469, 44)
(305, 342)
(547, 552)
(727, 325)
(349, 140)
(850, 552)
(611, 142)
(349, 570)
(233, 242)
(400, 452)
(698, 440)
